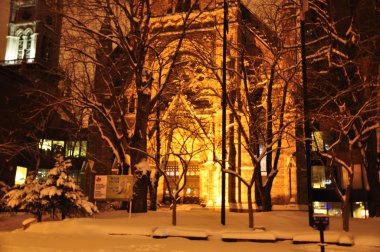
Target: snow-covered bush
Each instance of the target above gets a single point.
(26, 197)
(63, 194)
(4, 188)
(58, 192)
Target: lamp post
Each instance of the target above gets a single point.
(224, 112)
(307, 131)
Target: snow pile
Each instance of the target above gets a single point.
(256, 235)
(164, 232)
(26, 223)
(329, 237)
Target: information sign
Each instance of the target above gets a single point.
(113, 187)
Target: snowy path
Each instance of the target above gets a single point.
(113, 231)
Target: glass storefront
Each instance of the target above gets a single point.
(359, 209)
(327, 208)
(319, 178)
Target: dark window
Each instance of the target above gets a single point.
(20, 47)
(45, 49)
(49, 20)
(28, 45)
(26, 15)
(183, 5)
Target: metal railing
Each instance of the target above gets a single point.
(17, 61)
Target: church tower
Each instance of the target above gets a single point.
(33, 33)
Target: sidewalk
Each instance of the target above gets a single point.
(114, 231)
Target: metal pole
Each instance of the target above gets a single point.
(158, 157)
(224, 112)
(307, 131)
(322, 238)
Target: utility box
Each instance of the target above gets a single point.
(321, 222)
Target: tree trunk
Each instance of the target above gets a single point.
(153, 191)
(250, 207)
(39, 217)
(139, 202)
(346, 210)
(138, 153)
(346, 213)
(258, 198)
(265, 195)
(231, 162)
(258, 180)
(266, 200)
(373, 176)
(174, 212)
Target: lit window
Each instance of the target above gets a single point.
(319, 179)
(76, 148)
(263, 163)
(320, 207)
(45, 144)
(327, 208)
(359, 210)
(21, 173)
(57, 146)
(317, 141)
(48, 144)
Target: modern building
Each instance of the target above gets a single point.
(31, 66)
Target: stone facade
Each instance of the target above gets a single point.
(203, 40)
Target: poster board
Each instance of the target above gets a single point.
(113, 187)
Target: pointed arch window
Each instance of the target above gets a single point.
(20, 51)
(28, 45)
(132, 104)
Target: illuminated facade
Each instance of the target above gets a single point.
(203, 42)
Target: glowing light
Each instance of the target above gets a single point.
(21, 173)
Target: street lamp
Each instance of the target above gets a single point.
(224, 112)
(307, 131)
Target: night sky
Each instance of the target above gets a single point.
(4, 16)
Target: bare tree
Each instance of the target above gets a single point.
(107, 59)
(345, 91)
(262, 69)
(184, 143)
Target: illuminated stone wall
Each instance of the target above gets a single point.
(204, 37)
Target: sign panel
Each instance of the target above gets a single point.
(116, 187)
(100, 188)
(120, 187)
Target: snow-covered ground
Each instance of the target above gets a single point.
(114, 231)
